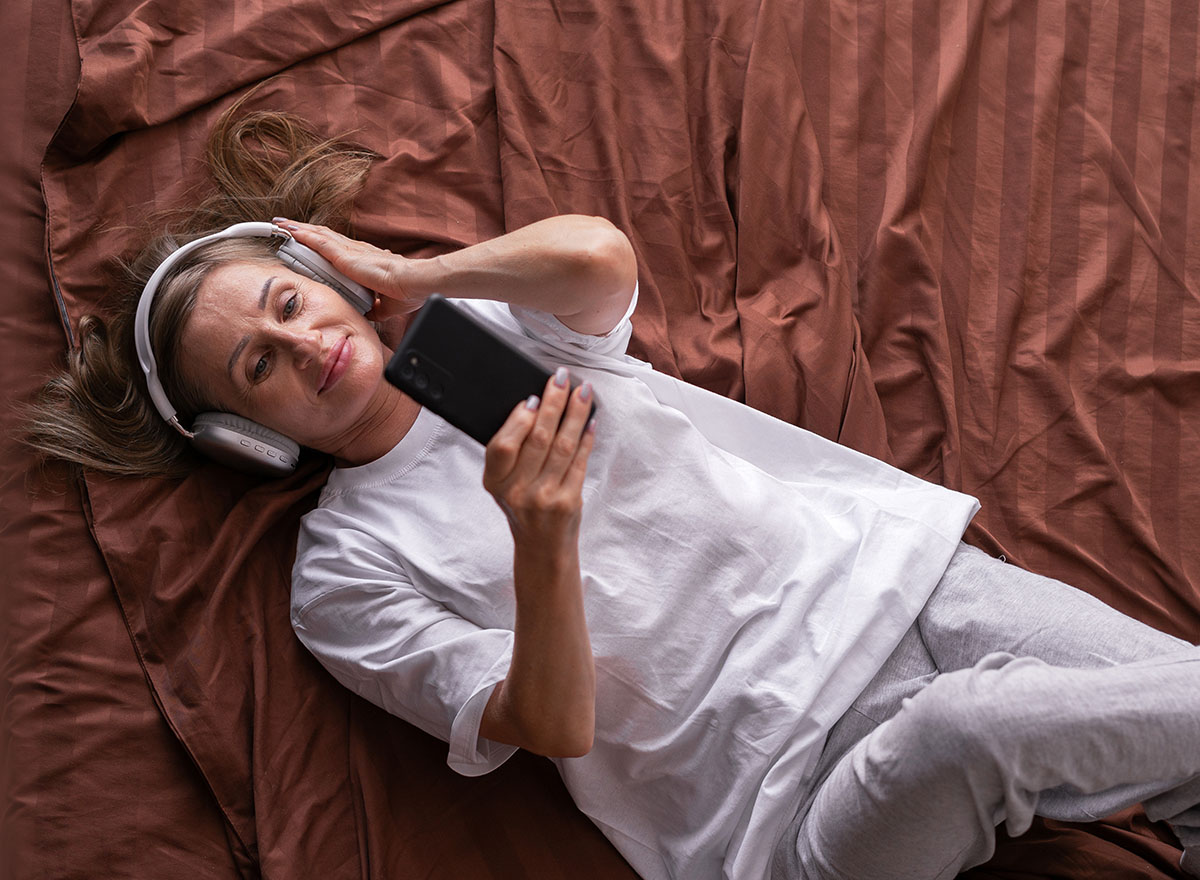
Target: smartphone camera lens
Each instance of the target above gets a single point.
(421, 381)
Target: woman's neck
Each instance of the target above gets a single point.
(383, 425)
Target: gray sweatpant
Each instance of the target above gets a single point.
(1012, 695)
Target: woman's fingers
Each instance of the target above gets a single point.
(542, 435)
(565, 447)
(370, 266)
(577, 469)
(536, 463)
(561, 419)
(503, 450)
(344, 253)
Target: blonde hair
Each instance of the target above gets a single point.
(96, 413)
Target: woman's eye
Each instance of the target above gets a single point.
(289, 307)
(260, 368)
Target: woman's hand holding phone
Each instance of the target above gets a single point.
(536, 463)
(534, 468)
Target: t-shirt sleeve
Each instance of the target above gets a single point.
(548, 329)
(358, 614)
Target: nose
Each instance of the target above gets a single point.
(304, 346)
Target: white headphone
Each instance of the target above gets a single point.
(226, 437)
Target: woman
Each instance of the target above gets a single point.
(749, 651)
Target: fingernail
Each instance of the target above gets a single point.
(560, 377)
(284, 222)
(585, 392)
(591, 425)
(532, 402)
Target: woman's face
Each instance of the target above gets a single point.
(286, 351)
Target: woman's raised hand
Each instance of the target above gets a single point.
(535, 465)
(373, 267)
(534, 468)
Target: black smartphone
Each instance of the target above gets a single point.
(462, 370)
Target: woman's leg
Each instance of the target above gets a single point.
(920, 796)
(982, 606)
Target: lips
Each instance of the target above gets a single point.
(335, 364)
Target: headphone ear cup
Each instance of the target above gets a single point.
(308, 262)
(244, 444)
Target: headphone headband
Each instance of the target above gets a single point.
(141, 320)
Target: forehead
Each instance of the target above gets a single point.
(227, 303)
(238, 283)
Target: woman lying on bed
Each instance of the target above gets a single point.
(712, 621)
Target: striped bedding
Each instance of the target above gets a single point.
(953, 235)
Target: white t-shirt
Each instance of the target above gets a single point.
(736, 609)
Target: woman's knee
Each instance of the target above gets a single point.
(956, 723)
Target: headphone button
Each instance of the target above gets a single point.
(245, 443)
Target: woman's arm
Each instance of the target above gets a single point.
(534, 468)
(581, 269)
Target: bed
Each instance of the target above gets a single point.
(957, 236)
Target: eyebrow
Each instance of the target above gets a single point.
(266, 289)
(244, 341)
(237, 352)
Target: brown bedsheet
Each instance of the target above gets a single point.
(951, 235)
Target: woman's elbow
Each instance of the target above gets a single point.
(561, 732)
(568, 744)
(605, 269)
(610, 258)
